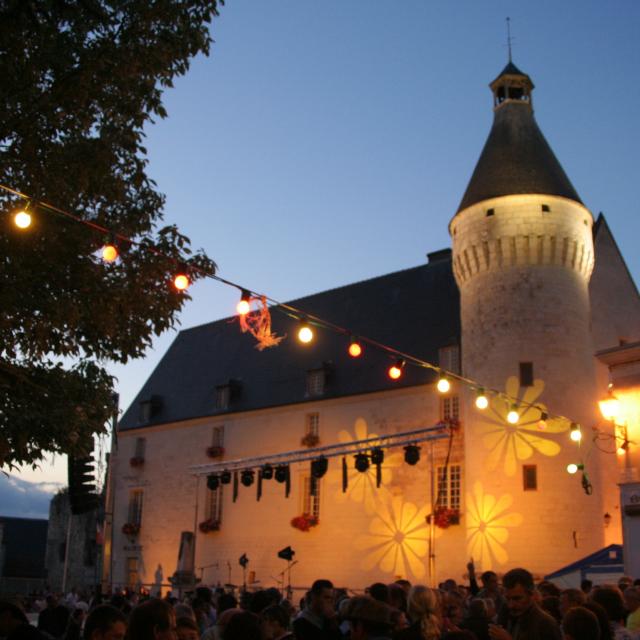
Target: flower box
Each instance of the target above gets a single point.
(310, 440)
(209, 525)
(136, 461)
(215, 451)
(131, 529)
(304, 522)
(444, 517)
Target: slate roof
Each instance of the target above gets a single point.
(511, 70)
(415, 311)
(516, 158)
(25, 545)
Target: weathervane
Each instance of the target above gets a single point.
(509, 36)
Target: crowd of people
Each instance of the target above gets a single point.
(515, 609)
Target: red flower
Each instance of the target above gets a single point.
(310, 440)
(304, 522)
(209, 525)
(444, 517)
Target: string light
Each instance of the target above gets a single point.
(542, 423)
(395, 370)
(181, 279)
(22, 218)
(482, 402)
(443, 385)
(244, 306)
(575, 434)
(110, 250)
(573, 468)
(513, 416)
(305, 332)
(623, 448)
(355, 348)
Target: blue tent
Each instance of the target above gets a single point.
(602, 566)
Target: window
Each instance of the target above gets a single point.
(223, 396)
(150, 408)
(311, 496)
(529, 477)
(141, 445)
(490, 212)
(449, 358)
(132, 572)
(312, 427)
(213, 506)
(526, 374)
(315, 382)
(546, 208)
(217, 436)
(449, 486)
(135, 507)
(450, 408)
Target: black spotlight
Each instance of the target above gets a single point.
(377, 456)
(281, 473)
(267, 472)
(362, 462)
(243, 561)
(286, 554)
(247, 477)
(225, 477)
(411, 454)
(319, 467)
(213, 482)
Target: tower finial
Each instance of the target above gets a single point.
(509, 36)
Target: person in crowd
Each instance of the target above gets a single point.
(187, 629)
(76, 620)
(216, 632)
(205, 595)
(603, 620)
(14, 624)
(54, 618)
(610, 599)
(586, 585)
(398, 620)
(522, 618)
(397, 597)
(274, 621)
(184, 610)
(404, 584)
(477, 618)
(369, 618)
(452, 610)
(318, 621)
(570, 598)
(423, 608)
(243, 626)
(105, 622)
(579, 623)
(379, 591)
(551, 604)
(624, 582)
(548, 589)
(152, 620)
(632, 602)
(490, 586)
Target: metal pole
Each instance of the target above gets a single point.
(195, 526)
(432, 525)
(66, 552)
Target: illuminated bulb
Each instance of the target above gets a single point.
(482, 402)
(109, 252)
(244, 306)
(513, 416)
(305, 333)
(181, 282)
(621, 451)
(576, 434)
(610, 407)
(542, 423)
(443, 384)
(355, 348)
(22, 219)
(572, 468)
(395, 370)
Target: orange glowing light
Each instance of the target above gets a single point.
(305, 334)
(109, 252)
(355, 349)
(609, 408)
(181, 282)
(243, 307)
(395, 370)
(22, 219)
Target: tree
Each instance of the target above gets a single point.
(80, 81)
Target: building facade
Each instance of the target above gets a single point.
(532, 288)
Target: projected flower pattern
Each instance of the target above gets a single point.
(362, 486)
(397, 541)
(488, 524)
(508, 443)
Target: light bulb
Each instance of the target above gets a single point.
(355, 349)
(621, 451)
(395, 370)
(513, 416)
(572, 468)
(443, 384)
(244, 306)
(22, 219)
(482, 402)
(305, 333)
(575, 434)
(109, 252)
(181, 282)
(542, 423)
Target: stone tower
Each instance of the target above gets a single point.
(523, 255)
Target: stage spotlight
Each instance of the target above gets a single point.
(377, 456)
(286, 554)
(281, 473)
(243, 561)
(267, 472)
(362, 462)
(225, 477)
(319, 467)
(213, 482)
(247, 477)
(412, 454)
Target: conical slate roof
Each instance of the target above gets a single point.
(516, 158)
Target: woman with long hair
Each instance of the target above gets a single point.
(423, 608)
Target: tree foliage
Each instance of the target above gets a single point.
(80, 81)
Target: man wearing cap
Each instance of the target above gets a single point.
(370, 619)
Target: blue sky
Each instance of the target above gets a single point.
(326, 143)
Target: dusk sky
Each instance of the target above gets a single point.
(326, 143)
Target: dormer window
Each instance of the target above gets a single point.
(449, 358)
(226, 394)
(150, 408)
(316, 380)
